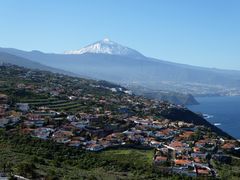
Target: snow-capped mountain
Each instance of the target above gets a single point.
(106, 46)
(107, 60)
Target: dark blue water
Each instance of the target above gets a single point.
(224, 112)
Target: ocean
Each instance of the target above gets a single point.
(224, 112)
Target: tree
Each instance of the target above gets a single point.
(27, 169)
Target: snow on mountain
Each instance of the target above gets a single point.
(106, 46)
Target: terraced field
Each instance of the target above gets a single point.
(56, 104)
(38, 100)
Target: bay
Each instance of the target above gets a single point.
(224, 112)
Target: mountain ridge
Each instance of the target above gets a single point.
(151, 73)
(6, 58)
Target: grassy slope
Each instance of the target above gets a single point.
(108, 164)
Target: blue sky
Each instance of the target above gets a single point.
(204, 33)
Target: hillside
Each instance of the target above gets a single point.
(16, 86)
(170, 96)
(55, 126)
(23, 62)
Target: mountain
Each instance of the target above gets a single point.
(107, 60)
(106, 46)
(6, 58)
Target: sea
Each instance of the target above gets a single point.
(223, 112)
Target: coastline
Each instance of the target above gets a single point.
(220, 111)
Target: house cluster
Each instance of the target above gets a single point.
(178, 146)
(95, 117)
(191, 155)
(7, 118)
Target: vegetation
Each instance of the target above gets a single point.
(229, 171)
(106, 110)
(33, 158)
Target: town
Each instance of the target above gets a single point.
(97, 115)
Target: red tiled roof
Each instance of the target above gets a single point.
(176, 144)
(228, 146)
(74, 142)
(161, 158)
(186, 134)
(182, 162)
(196, 149)
(197, 160)
(165, 131)
(203, 171)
